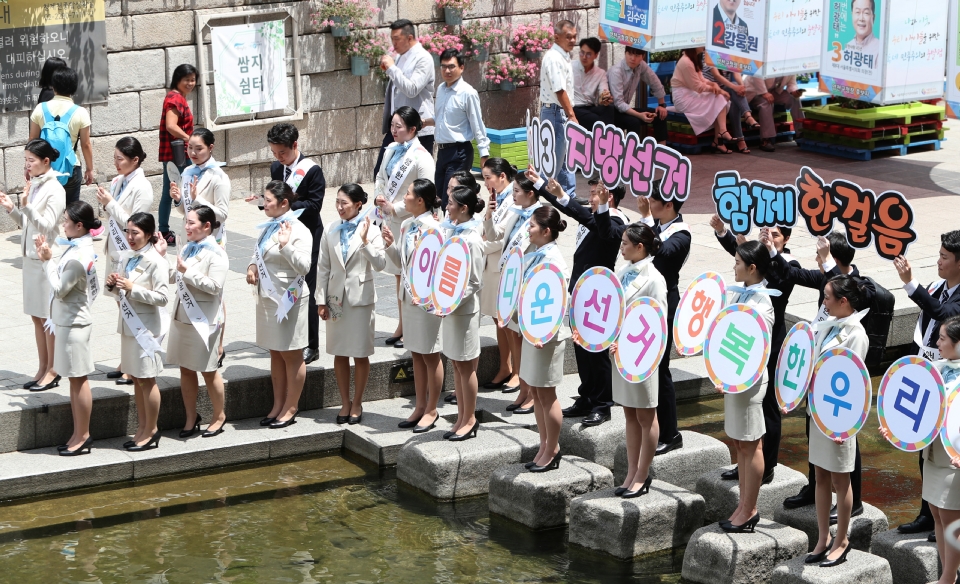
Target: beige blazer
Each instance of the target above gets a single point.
(398, 252)
(70, 306)
(499, 232)
(494, 248)
(351, 283)
(649, 284)
(424, 167)
(150, 293)
(291, 262)
(137, 198)
(205, 277)
(41, 215)
(471, 292)
(212, 191)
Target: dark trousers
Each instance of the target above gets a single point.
(425, 141)
(596, 388)
(588, 115)
(450, 159)
(924, 506)
(772, 420)
(855, 477)
(73, 185)
(313, 320)
(667, 396)
(628, 123)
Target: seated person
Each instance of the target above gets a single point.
(739, 111)
(623, 79)
(592, 101)
(703, 102)
(762, 94)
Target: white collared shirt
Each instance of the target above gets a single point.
(556, 74)
(588, 85)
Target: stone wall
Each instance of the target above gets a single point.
(147, 39)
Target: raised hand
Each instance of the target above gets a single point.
(387, 236)
(161, 246)
(823, 248)
(123, 283)
(364, 228)
(6, 202)
(386, 207)
(643, 206)
(103, 195)
(43, 250)
(903, 269)
(283, 235)
(531, 174)
(741, 239)
(252, 275)
(719, 227)
(554, 188)
(175, 191)
(181, 267)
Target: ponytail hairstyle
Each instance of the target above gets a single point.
(642, 234)
(355, 193)
(145, 223)
(951, 328)
(206, 215)
(465, 179)
(756, 254)
(82, 213)
(851, 288)
(466, 197)
(42, 149)
(526, 186)
(500, 166)
(548, 218)
(131, 148)
(410, 117)
(281, 191)
(426, 190)
(205, 135)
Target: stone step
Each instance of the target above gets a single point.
(912, 559)
(722, 496)
(863, 528)
(860, 567)
(594, 443)
(542, 500)
(452, 470)
(716, 557)
(663, 519)
(681, 467)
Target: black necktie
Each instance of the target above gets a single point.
(286, 173)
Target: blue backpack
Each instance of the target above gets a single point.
(56, 131)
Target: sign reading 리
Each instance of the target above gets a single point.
(840, 395)
(508, 293)
(795, 366)
(642, 340)
(450, 277)
(700, 304)
(910, 404)
(597, 309)
(543, 303)
(737, 348)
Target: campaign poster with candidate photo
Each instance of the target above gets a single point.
(736, 33)
(915, 51)
(953, 62)
(794, 37)
(851, 64)
(653, 25)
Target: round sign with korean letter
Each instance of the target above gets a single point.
(422, 262)
(642, 340)
(508, 294)
(737, 348)
(840, 394)
(450, 276)
(699, 306)
(795, 366)
(950, 429)
(911, 402)
(597, 309)
(543, 303)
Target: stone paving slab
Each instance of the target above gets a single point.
(723, 496)
(912, 559)
(681, 467)
(863, 528)
(860, 567)
(716, 557)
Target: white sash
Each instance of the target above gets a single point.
(149, 343)
(503, 209)
(674, 228)
(930, 353)
(197, 318)
(582, 232)
(290, 296)
(403, 168)
(520, 239)
(117, 237)
(295, 179)
(90, 267)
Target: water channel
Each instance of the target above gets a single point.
(338, 519)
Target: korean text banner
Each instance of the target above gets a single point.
(31, 32)
(915, 51)
(249, 65)
(851, 64)
(953, 62)
(736, 34)
(653, 25)
(794, 36)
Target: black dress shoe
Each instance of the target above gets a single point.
(802, 499)
(748, 527)
(731, 475)
(310, 355)
(530, 464)
(471, 434)
(51, 385)
(843, 558)
(510, 389)
(665, 447)
(817, 558)
(932, 538)
(354, 420)
(29, 384)
(342, 419)
(576, 411)
(422, 429)
(523, 410)
(123, 381)
(283, 424)
(512, 407)
(643, 490)
(267, 421)
(619, 491)
(398, 345)
(82, 449)
(919, 525)
(448, 434)
(191, 431)
(595, 419)
(154, 442)
(408, 423)
(858, 510)
(493, 384)
(210, 434)
(450, 398)
(115, 374)
(554, 464)
(392, 340)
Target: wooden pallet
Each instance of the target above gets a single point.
(903, 139)
(889, 115)
(863, 154)
(700, 146)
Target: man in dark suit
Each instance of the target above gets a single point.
(592, 250)
(725, 20)
(775, 238)
(305, 177)
(937, 303)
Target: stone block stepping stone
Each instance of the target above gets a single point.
(863, 528)
(716, 557)
(681, 467)
(451, 470)
(541, 500)
(594, 443)
(662, 519)
(860, 568)
(913, 559)
(722, 496)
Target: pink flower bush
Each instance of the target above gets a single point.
(365, 43)
(436, 42)
(504, 68)
(481, 35)
(350, 13)
(461, 5)
(533, 37)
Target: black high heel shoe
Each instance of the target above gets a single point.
(192, 431)
(817, 558)
(748, 527)
(83, 449)
(838, 561)
(619, 491)
(554, 464)
(211, 433)
(342, 419)
(267, 421)
(529, 465)
(29, 384)
(353, 420)
(421, 429)
(643, 490)
(471, 434)
(220, 360)
(447, 435)
(278, 424)
(51, 385)
(153, 443)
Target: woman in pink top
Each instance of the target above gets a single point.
(703, 102)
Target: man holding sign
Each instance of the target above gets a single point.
(556, 95)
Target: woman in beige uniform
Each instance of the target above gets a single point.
(39, 214)
(278, 270)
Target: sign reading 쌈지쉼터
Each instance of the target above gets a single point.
(249, 68)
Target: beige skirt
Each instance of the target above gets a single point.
(185, 348)
(635, 395)
(36, 289)
(133, 364)
(421, 331)
(829, 455)
(71, 353)
(743, 413)
(351, 335)
(491, 280)
(461, 336)
(941, 484)
(394, 225)
(291, 333)
(542, 367)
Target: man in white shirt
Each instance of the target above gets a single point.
(556, 95)
(411, 81)
(623, 79)
(763, 94)
(592, 101)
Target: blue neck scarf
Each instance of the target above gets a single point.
(132, 263)
(524, 215)
(459, 228)
(629, 277)
(398, 154)
(193, 248)
(746, 293)
(197, 172)
(346, 231)
(272, 226)
(502, 195)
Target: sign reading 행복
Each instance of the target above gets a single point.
(31, 32)
(911, 403)
(653, 25)
(249, 64)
